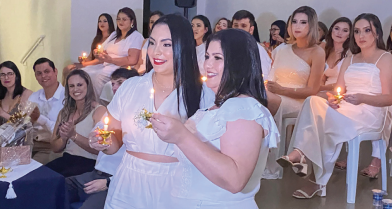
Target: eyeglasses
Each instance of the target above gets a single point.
(273, 29)
(9, 75)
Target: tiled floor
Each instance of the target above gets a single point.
(276, 194)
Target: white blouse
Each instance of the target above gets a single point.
(201, 57)
(134, 95)
(209, 126)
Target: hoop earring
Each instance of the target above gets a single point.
(132, 26)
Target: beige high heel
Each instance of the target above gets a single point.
(301, 168)
(322, 192)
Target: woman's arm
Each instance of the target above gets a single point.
(130, 60)
(57, 144)
(313, 86)
(140, 62)
(324, 87)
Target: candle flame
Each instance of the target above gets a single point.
(152, 91)
(99, 46)
(204, 78)
(84, 54)
(338, 90)
(106, 120)
(129, 67)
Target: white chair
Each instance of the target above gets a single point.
(353, 158)
(283, 133)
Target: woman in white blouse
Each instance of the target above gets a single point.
(223, 150)
(173, 88)
(201, 30)
(121, 48)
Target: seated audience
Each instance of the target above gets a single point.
(222, 24)
(12, 93)
(322, 30)
(79, 115)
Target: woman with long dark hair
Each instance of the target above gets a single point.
(172, 86)
(121, 48)
(223, 150)
(104, 29)
(389, 41)
(141, 67)
(222, 24)
(324, 125)
(75, 121)
(276, 36)
(323, 31)
(336, 49)
(201, 30)
(296, 72)
(12, 93)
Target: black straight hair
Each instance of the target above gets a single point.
(243, 14)
(329, 46)
(207, 25)
(185, 67)
(389, 41)
(131, 14)
(373, 20)
(123, 73)
(43, 60)
(282, 30)
(98, 36)
(241, 74)
(19, 89)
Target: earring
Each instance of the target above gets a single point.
(132, 26)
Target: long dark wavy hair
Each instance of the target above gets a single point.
(70, 104)
(389, 41)
(185, 67)
(207, 25)
(131, 14)
(241, 74)
(329, 46)
(282, 30)
(98, 36)
(19, 89)
(373, 20)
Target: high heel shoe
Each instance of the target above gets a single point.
(322, 192)
(301, 168)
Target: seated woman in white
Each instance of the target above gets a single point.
(201, 30)
(143, 178)
(296, 72)
(336, 50)
(223, 150)
(323, 126)
(122, 48)
(104, 29)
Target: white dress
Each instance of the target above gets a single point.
(191, 189)
(290, 71)
(201, 57)
(140, 183)
(332, 73)
(100, 74)
(320, 130)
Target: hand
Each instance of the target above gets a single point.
(80, 59)
(279, 38)
(35, 115)
(94, 140)
(332, 101)
(95, 186)
(103, 56)
(274, 87)
(168, 129)
(354, 99)
(67, 130)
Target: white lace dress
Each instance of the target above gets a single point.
(191, 189)
(321, 130)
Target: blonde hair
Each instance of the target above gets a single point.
(313, 25)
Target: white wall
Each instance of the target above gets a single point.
(84, 19)
(267, 11)
(22, 22)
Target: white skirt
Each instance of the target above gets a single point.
(140, 184)
(182, 203)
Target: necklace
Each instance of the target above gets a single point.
(163, 87)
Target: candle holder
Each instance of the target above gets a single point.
(142, 119)
(84, 57)
(99, 49)
(3, 171)
(104, 134)
(339, 98)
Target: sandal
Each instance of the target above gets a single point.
(321, 191)
(301, 168)
(369, 173)
(341, 165)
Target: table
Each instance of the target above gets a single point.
(40, 189)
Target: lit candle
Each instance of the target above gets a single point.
(129, 67)
(338, 90)
(105, 127)
(99, 49)
(152, 93)
(204, 78)
(84, 54)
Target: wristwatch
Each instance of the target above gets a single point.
(107, 182)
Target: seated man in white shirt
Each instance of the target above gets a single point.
(245, 20)
(50, 102)
(93, 186)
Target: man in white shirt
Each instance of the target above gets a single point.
(245, 20)
(50, 102)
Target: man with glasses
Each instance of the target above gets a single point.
(50, 102)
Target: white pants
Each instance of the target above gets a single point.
(140, 184)
(182, 203)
